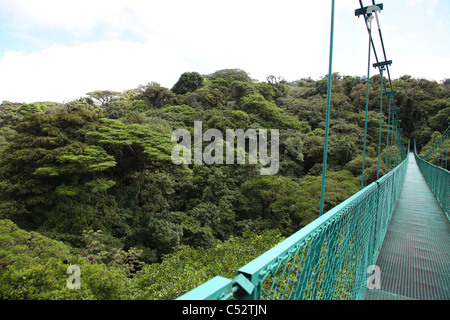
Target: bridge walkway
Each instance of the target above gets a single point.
(414, 261)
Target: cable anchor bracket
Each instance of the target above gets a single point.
(368, 10)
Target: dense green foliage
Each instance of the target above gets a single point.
(35, 267)
(92, 181)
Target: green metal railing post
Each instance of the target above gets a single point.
(325, 151)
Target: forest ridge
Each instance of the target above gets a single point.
(91, 182)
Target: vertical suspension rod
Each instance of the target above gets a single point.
(381, 122)
(368, 29)
(369, 25)
(382, 46)
(387, 139)
(327, 124)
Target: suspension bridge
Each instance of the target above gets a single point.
(389, 241)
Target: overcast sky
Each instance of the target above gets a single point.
(58, 50)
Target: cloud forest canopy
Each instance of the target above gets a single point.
(91, 181)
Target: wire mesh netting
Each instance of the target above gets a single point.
(435, 172)
(415, 257)
(334, 256)
(327, 259)
(332, 262)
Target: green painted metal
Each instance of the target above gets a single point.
(327, 259)
(388, 150)
(369, 27)
(445, 162)
(393, 124)
(381, 118)
(414, 261)
(218, 288)
(436, 175)
(363, 10)
(382, 64)
(438, 153)
(327, 125)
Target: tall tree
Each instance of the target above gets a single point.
(103, 96)
(188, 82)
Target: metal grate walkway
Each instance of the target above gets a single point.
(414, 260)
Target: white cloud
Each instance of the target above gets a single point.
(428, 6)
(78, 17)
(117, 45)
(173, 17)
(63, 73)
(260, 37)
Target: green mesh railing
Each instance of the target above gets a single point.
(327, 259)
(333, 256)
(436, 172)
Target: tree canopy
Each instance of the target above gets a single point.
(91, 182)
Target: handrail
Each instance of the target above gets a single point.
(438, 179)
(330, 257)
(437, 151)
(327, 259)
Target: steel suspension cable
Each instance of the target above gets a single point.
(382, 46)
(390, 84)
(394, 112)
(387, 139)
(381, 122)
(446, 153)
(368, 30)
(369, 14)
(436, 153)
(325, 151)
(369, 26)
